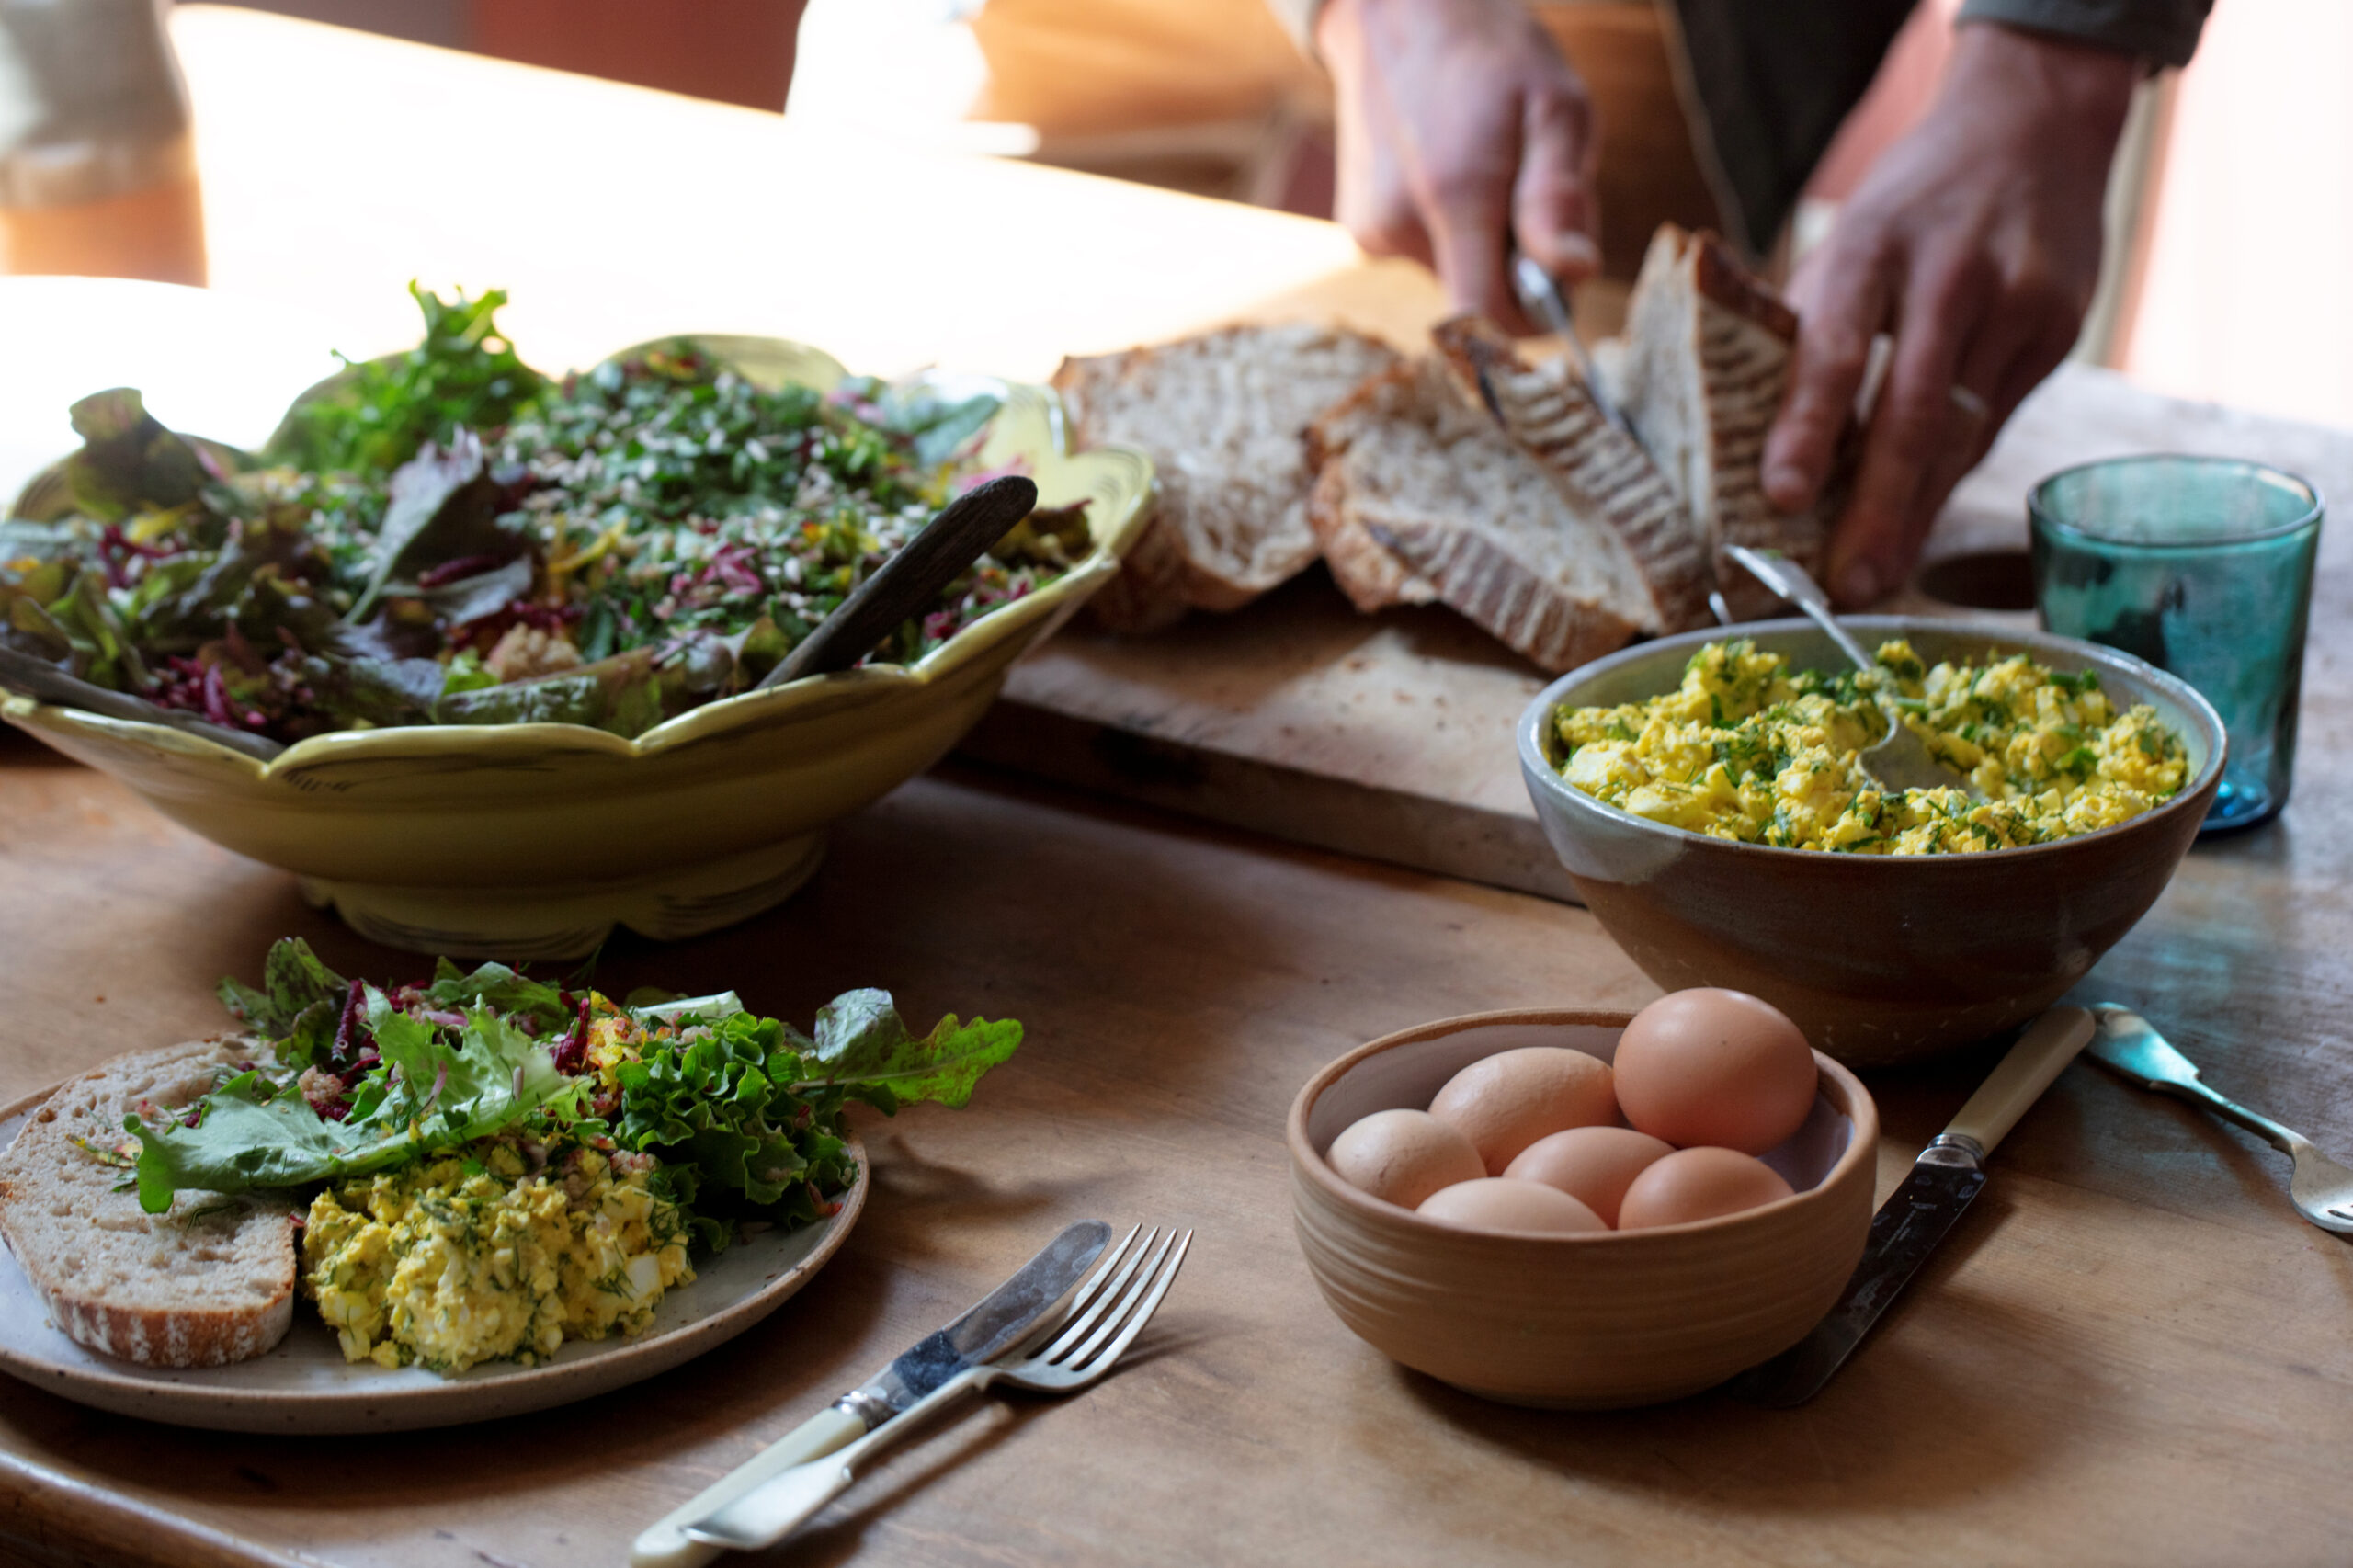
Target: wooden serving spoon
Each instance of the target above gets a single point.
(908, 581)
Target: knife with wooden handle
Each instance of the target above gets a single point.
(1945, 1179)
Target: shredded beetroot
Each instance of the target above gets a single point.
(350, 1033)
(572, 1056)
(451, 571)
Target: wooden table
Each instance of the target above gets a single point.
(2132, 1351)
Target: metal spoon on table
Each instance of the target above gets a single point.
(1901, 760)
(908, 581)
(2321, 1189)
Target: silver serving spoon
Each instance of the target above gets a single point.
(1901, 760)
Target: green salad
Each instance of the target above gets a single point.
(485, 1163)
(448, 538)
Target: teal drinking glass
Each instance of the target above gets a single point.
(2203, 566)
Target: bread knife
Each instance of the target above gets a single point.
(1002, 1319)
(1945, 1179)
(1540, 296)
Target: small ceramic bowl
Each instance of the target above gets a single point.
(1592, 1322)
(1880, 958)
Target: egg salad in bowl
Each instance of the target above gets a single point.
(1745, 748)
(493, 1165)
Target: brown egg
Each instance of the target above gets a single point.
(1714, 1067)
(1505, 1102)
(1698, 1184)
(1403, 1156)
(1500, 1203)
(1593, 1164)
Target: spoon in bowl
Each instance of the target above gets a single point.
(1901, 760)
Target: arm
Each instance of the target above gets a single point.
(1976, 241)
(1462, 131)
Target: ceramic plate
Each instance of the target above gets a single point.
(305, 1385)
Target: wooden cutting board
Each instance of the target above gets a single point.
(1390, 736)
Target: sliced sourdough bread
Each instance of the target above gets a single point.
(209, 1282)
(1708, 353)
(1603, 472)
(1412, 470)
(1222, 418)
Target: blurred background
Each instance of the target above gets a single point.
(2230, 210)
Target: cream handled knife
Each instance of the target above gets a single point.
(981, 1334)
(1944, 1180)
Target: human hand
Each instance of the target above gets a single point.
(1461, 130)
(1975, 239)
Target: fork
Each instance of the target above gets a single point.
(1103, 1318)
(1899, 760)
(2321, 1189)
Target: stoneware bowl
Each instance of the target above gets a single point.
(532, 841)
(1881, 958)
(1584, 1322)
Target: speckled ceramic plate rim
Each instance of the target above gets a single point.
(405, 1401)
(1536, 766)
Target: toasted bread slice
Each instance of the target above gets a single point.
(1221, 415)
(209, 1282)
(1708, 353)
(1412, 468)
(1603, 472)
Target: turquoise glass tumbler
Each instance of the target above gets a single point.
(2203, 566)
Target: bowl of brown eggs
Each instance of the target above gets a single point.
(1585, 1209)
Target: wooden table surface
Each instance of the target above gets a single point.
(2131, 1351)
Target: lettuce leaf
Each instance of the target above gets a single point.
(861, 1040)
(430, 1093)
(744, 1112)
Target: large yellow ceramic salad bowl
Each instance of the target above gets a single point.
(535, 840)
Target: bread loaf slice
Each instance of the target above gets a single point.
(1602, 473)
(1708, 352)
(209, 1282)
(1371, 453)
(1221, 417)
(1412, 469)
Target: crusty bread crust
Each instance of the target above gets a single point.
(210, 1282)
(1533, 614)
(1708, 351)
(1601, 472)
(1221, 414)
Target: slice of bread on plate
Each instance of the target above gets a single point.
(1602, 473)
(209, 1282)
(1412, 470)
(1707, 350)
(1221, 415)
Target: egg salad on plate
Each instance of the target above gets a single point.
(495, 1165)
(1747, 749)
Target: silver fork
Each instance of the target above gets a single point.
(1900, 760)
(2321, 1189)
(1104, 1317)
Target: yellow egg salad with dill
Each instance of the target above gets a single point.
(475, 1257)
(1747, 749)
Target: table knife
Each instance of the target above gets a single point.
(1944, 1180)
(1000, 1321)
(1540, 296)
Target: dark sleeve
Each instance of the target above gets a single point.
(2162, 31)
(1772, 80)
